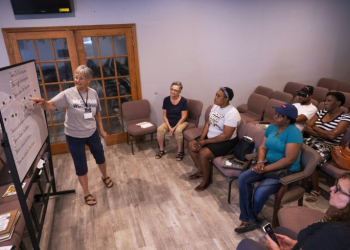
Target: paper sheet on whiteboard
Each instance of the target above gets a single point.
(24, 124)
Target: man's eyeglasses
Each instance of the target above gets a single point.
(302, 95)
(175, 90)
(337, 189)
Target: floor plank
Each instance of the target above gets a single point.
(152, 205)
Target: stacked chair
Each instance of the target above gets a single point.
(260, 90)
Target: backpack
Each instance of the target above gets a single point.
(243, 147)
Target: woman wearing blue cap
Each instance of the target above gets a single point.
(278, 156)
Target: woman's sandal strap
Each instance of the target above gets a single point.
(160, 154)
(313, 196)
(179, 156)
(107, 182)
(87, 200)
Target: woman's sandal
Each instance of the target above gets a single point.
(160, 154)
(312, 196)
(107, 181)
(246, 227)
(179, 156)
(89, 200)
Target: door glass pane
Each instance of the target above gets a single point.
(97, 86)
(115, 125)
(105, 125)
(105, 45)
(90, 47)
(52, 90)
(38, 73)
(42, 94)
(48, 119)
(51, 135)
(44, 49)
(124, 86)
(125, 99)
(27, 50)
(65, 71)
(111, 88)
(67, 86)
(61, 137)
(108, 67)
(119, 45)
(113, 107)
(58, 116)
(49, 72)
(61, 48)
(103, 107)
(94, 65)
(122, 66)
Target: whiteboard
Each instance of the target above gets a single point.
(23, 122)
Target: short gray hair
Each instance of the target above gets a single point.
(86, 71)
(177, 83)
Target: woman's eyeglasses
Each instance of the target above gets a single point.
(175, 90)
(302, 95)
(337, 189)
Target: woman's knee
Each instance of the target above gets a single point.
(205, 154)
(178, 135)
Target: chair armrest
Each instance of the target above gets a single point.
(251, 156)
(246, 165)
(292, 178)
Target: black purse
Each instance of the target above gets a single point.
(244, 146)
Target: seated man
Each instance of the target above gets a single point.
(306, 110)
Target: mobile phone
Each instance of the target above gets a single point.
(268, 229)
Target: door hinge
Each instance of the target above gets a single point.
(11, 50)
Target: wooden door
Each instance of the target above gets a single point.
(109, 50)
(55, 58)
(109, 53)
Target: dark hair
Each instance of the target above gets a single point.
(229, 92)
(339, 96)
(343, 214)
(291, 120)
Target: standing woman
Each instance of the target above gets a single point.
(326, 128)
(219, 136)
(83, 112)
(174, 115)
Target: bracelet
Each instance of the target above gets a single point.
(261, 162)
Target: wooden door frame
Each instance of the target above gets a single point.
(132, 26)
(9, 44)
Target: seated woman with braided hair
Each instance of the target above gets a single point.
(333, 232)
(218, 137)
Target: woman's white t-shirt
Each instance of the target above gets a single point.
(220, 117)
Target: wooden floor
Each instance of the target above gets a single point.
(152, 205)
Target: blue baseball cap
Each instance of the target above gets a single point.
(287, 110)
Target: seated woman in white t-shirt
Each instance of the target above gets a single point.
(219, 136)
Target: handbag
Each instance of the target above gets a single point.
(243, 147)
(341, 157)
(231, 162)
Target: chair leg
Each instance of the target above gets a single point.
(127, 138)
(301, 201)
(229, 190)
(277, 205)
(132, 145)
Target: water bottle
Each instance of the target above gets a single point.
(253, 152)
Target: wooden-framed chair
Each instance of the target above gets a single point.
(136, 112)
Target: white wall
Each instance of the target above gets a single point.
(211, 43)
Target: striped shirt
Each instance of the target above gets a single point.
(328, 126)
